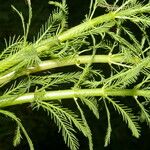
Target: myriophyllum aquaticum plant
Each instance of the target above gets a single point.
(109, 61)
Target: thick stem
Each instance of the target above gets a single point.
(74, 93)
(76, 31)
(55, 63)
(110, 59)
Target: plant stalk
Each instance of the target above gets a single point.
(71, 33)
(55, 63)
(74, 93)
(78, 30)
(75, 31)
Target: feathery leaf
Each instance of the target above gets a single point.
(109, 129)
(17, 120)
(127, 116)
(64, 118)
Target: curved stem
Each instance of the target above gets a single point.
(68, 61)
(71, 33)
(55, 63)
(76, 31)
(74, 93)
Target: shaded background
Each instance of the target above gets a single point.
(41, 129)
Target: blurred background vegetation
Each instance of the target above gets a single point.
(41, 129)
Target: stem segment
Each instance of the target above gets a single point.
(55, 63)
(76, 31)
(74, 93)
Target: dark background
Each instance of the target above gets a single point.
(41, 129)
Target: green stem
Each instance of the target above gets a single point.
(78, 30)
(75, 31)
(55, 63)
(68, 61)
(74, 93)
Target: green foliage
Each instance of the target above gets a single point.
(91, 103)
(55, 24)
(109, 129)
(109, 39)
(63, 119)
(127, 115)
(17, 136)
